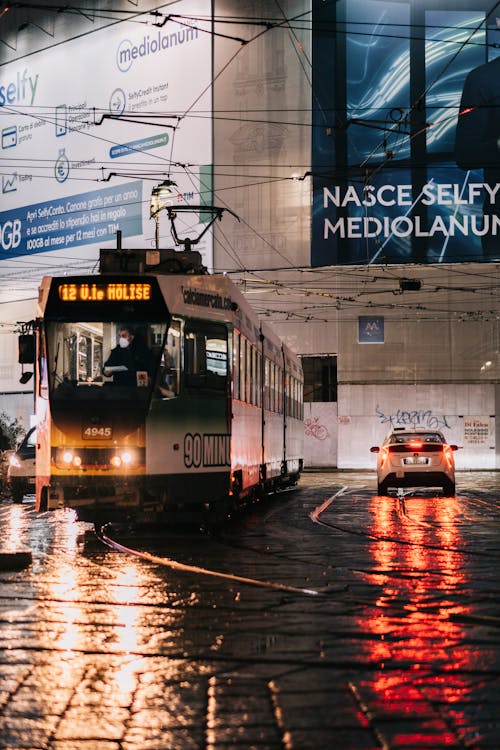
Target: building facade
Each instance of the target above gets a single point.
(356, 233)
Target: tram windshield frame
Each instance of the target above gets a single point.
(88, 372)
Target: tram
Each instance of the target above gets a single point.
(159, 395)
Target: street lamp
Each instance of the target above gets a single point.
(161, 197)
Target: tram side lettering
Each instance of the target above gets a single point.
(206, 450)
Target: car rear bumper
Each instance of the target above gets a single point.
(417, 479)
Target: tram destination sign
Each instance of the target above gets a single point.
(105, 292)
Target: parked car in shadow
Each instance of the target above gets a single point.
(21, 471)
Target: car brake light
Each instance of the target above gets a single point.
(383, 456)
(416, 444)
(448, 455)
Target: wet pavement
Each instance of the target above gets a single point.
(340, 620)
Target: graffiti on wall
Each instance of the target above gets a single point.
(313, 428)
(424, 418)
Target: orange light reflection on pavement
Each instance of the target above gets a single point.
(12, 530)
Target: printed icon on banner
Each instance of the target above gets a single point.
(117, 102)
(61, 167)
(9, 137)
(61, 120)
(9, 183)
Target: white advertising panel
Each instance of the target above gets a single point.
(89, 127)
(477, 432)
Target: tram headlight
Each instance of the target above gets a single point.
(125, 459)
(68, 458)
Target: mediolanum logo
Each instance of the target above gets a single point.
(128, 52)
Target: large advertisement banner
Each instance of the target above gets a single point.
(90, 127)
(406, 136)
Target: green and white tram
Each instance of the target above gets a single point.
(200, 411)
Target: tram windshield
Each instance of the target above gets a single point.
(115, 360)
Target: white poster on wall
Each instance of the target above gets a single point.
(477, 432)
(90, 126)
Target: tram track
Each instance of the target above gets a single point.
(169, 562)
(317, 513)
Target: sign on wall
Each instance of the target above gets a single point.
(406, 154)
(89, 127)
(370, 329)
(477, 432)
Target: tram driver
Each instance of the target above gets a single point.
(130, 362)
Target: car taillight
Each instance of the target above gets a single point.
(383, 456)
(448, 456)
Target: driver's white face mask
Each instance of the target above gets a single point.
(123, 342)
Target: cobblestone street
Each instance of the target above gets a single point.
(353, 622)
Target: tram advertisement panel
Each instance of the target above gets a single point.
(406, 136)
(81, 152)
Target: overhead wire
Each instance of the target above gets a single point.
(286, 25)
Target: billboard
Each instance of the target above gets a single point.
(90, 126)
(406, 136)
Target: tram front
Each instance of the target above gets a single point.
(100, 342)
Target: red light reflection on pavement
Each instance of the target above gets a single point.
(416, 642)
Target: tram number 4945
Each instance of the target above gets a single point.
(206, 450)
(94, 432)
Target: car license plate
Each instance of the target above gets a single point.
(416, 460)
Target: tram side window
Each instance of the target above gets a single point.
(43, 383)
(258, 378)
(169, 378)
(248, 392)
(243, 368)
(236, 365)
(267, 388)
(279, 384)
(205, 356)
(274, 393)
(255, 377)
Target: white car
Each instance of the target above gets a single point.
(415, 458)
(21, 472)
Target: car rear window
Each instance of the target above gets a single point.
(427, 437)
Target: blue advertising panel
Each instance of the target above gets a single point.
(82, 219)
(406, 136)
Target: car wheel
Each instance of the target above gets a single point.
(449, 488)
(382, 488)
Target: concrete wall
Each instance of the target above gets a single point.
(320, 435)
(464, 413)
